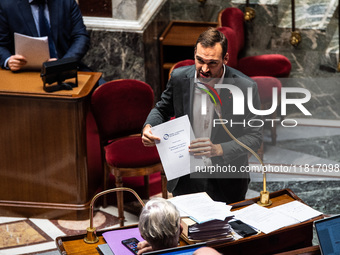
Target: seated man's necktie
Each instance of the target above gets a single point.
(44, 27)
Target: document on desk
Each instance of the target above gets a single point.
(200, 207)
(264, 219)
(297, 210)
(34, 49)
(173, 148)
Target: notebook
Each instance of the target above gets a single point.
(328, 233)
(181, 250)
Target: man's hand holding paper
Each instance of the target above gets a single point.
(148, 138)
(34, 49)
(16, 62)
(173, 147)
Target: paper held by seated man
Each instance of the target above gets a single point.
(34, 49)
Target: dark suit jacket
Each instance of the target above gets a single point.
(177, 101)
(68, 30)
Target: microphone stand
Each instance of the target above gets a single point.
(91, 236)
(264, 194)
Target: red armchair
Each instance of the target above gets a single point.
(120, 108)
(231, 23)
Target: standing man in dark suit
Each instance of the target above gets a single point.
(183, 97)
(67, 30)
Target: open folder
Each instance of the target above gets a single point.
(34, 49)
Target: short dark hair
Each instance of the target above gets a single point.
(212, 36)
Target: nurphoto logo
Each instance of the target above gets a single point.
(239, 103)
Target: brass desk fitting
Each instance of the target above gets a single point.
(295, 38)
(91, 236)
(249, 14)
(264, 194)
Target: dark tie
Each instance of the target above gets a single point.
(44, 27)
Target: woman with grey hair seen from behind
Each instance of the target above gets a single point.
(159, 225)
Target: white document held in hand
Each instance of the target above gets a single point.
(34, 49)
(173, 148)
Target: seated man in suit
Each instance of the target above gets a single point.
(159, 225)
(67, 32)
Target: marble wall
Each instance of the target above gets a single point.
(127, 9)
(117, 54)
(151, 47)
(129, 51)
(193, 10)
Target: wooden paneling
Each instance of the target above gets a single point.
(43, 157)
(177, 43)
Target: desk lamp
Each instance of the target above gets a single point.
(91, 236)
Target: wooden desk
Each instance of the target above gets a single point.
(285, 239)
(43, 162)
(177, 43)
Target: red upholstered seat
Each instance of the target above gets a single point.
(186, 62)
(120, 109)
(275, 65)
(118, 153)
(266, 87)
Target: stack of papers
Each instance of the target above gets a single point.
(268, 220)
(200, 207)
